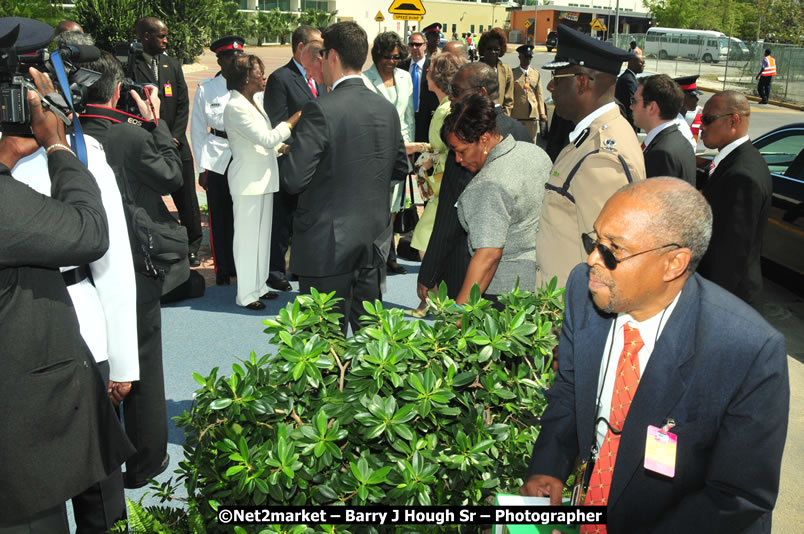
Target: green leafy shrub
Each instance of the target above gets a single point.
(404, 413)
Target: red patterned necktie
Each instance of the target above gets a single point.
(312, 87)
(711, 169)
(625, 385)
(643, 147)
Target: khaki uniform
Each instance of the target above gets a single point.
(584, 176)
(506, 79)
(528, 99)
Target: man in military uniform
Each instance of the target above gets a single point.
(212, 156)
(602, 156)
(529, 107)
(689, 116)
(433, 35)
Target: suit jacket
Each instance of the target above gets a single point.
(730, 437)
(428, 101)
(506, 78)
(625, 89)
(348, 148)
(174, 99)
(528, 96)
(254, 170)
(586, 173)
(739, 192)
(403, 101)
(61, 434)
(448, 255)
(670, 154)
(286, 93)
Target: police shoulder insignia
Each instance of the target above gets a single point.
(609, 144)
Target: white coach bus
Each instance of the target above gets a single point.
(707, 46)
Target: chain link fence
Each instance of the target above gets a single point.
(736, 71)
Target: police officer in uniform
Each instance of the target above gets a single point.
(212, 156)
(689, 117)
(603, 153)
(529, 107)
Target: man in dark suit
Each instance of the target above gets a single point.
(447, 255)
(288, 89)
(739, 190)
(643, 341)
(61, 434)
(655, 107)
(627, 86)
(155, 66)
(347, 149)
(424, 100)
(146, 165)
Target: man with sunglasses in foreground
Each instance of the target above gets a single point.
(603, 153)
(671, 391)
(739, 189)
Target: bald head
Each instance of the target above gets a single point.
(68, 26)
(734, 102)
(147, 25)
(675, 212)
(456, 48)
(729, 118)
(636, 64)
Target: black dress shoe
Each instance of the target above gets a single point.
(280, 284)
(195, 261)
(222, 280)
(269, 296)
(395, 268)
(256, 305)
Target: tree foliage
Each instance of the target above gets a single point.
(50, 12)
(405, 412)
(776, 20)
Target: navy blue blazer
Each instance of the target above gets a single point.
(720, 371)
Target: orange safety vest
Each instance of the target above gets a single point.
(637, 51)
(768, 66)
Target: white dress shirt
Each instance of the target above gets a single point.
(649, 331)
(106, 311)
(654, 132)
(684, 128)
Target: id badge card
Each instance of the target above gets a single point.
(168, 90)
(660, 451)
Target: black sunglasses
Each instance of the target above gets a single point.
(415, 45)
(709, 119)
(394, 58)
(609, 259)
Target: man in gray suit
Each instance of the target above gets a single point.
(346, 151)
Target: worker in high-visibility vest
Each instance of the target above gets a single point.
(635, 49)
(765, 76)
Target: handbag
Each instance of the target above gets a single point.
(407, 218)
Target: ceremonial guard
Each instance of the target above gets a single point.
(212, 156)
(529, 106)
(603, 153)
(689, 117)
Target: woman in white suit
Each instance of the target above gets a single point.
(396, 86)
(253, 177)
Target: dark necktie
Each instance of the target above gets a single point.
(625, 386)
(155, 68)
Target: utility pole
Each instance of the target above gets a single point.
(616, 22)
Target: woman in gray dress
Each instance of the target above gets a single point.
(500, 207)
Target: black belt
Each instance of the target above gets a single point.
(219, 133)
(74, 276)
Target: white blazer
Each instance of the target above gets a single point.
(403, 101)
(254, 170)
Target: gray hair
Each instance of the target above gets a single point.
(680, 214)
(481, 75)
(72, 38)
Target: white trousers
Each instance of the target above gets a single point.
(252, 245)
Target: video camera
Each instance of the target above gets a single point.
(16, 82)
(127, 54)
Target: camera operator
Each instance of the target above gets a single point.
(61, 432)
(147, 164)
(104, 296)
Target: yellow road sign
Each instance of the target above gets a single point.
(527, 24)
(407, 7)
(379, 17)
(597, 25)
(407, 17)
